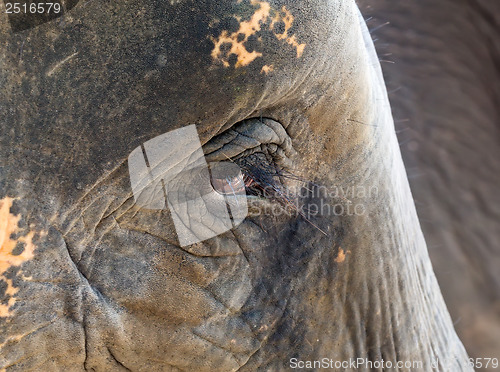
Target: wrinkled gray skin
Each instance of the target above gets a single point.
(108, 287)
(445, 98)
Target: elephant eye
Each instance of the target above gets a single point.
(227, 178)
(228, 185)
(261, 177)
(253, 175)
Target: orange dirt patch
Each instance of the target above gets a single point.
(287, 19)
(9, 224)
(248, 28)
(267, 69)
(341, 256)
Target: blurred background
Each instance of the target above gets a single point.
(441, 62)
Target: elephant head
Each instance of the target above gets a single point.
(330, 261)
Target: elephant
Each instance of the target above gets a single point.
(293, 94)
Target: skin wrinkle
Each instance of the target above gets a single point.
(100, 181)
(277, 321)
(194, 212)
(230, 310)
(16, 338)
(85, 280)
(212, 295)
(116, 360)
(254, 334)
(85, 325)
(250, 139)
(220, 347)
(163, 363)
(34, 368)
(101, 219)
(104, 216)
(281, 140)
(86, 335)
(91, 253)
(241, 244)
